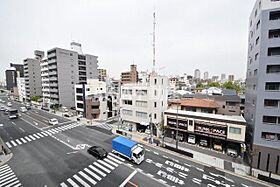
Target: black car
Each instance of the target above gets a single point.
(97, 152)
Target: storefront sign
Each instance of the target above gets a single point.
(173, 122)
(211, 129)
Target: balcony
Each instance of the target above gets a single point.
(52, 67)
(54, 96)
(53, 84)
(43, 69)
(52, 73)
(53, 90)
(53, 78)
(95, 111)
(95, 103)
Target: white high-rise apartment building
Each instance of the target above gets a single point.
(206, 75)
(21, 89)
(197, 74)
(262, 107)
(62, 70)
(142, 103)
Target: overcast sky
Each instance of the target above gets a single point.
(190, 34)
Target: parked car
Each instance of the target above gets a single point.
(69, 114)
(53, 121)
(2, 108)
(9, 104)
(23, 109)
(232, 152)
(28, 106)
(191, 139)
(218, 146)
(97, 152)
(203, 142)
(64, 109)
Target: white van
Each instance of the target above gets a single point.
(23, 109)
(191, 139)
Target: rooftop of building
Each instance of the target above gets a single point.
(238, 119)
(195, 102)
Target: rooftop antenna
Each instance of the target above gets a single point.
(154, 43)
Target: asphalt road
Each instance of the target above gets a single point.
(56, 156)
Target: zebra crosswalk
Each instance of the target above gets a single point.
(94, 173)
(105, 126)
(8, 177)
(42, 134)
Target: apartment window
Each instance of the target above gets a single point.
(275, 33)
(270, 119)
(256, 56)
(142, 103)
(274, 15)
(155, 92)
(274, 0)
(250, 23)
(162, 81)
(80, 105)
(273, 51)
(79, 98)
(250, 73)
(271, 103)
(127, 112)
(258, 24)
(127, 102)
(155, 81)
(155, 116)
(141, 92)
(255, 72)
(141, 114)
(235, 130)
(272, 86)
(254, 87)
(155, 104)
(127, 91)
(268, 136)
(251, 60)
(256, 13)
(257, 40)
(79, 90)
(252, 34)
(88, 89)
(161, 103)
(273, 68)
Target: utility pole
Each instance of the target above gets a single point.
(151, 129)
(177, 128)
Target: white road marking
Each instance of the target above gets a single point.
(197, 181)
(8, 179)
(13, 123)
(156, 153)
(45, 134)
(175, 160)
(92, 174)
(110, 162)
(5, 172)
(165, 156)
(115, 160)
(14, 143)
(71, 152)
(7, 175)
(101, 167)
(162, 181)
(210, 185)
(81, 181)
(63, 185)
(183, 175)
(121, 159)
(32, 137)
(150, 175)
(72, 183)
(4, 168)
(105, 164)
(21, 129)
(187, 165)
(13, 184)
(147, 150)
(8, 144)
(88, 178)
(23, 140)
(19, 142)
(27, 138)
(97, 170)
(38, 137)
(199, 169)
(159, 165)
(128, 178)
(245, 185)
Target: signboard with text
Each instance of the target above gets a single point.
(211, 130)
(181, 123)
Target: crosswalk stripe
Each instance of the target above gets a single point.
(32, 137)
(23, 140)
(101, 167)
(12, 184)
(7, 175)
(48, 133)
(8, 144)
(81, 181)
(40, 135)
(3, 166)
(27, 138)
(63, 185)
(6, 172)
(115, 156)
(36, 136)
(4, 184)
(97, 170)
(45, 134)
(72, 183)
(19, 142)
(92, 174)
(110, 162)
(6, 179)
(105, 164)
(119, 162)
(19, 184)
(53, 131)
(14, 143)
(88, 178)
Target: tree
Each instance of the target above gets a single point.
(214, 84)
(232, 86)
(35, 98)
(200, 85)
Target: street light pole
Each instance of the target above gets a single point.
(151, 129)
(177, 128)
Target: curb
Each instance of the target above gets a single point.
(7, 160)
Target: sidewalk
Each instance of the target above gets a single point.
(5, 153)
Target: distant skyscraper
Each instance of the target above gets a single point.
(197, 74)
(206, 75)
(215, 78)
(231, 78)
(223, 77)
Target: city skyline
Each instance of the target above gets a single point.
(125, 38)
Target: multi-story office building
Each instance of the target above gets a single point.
(206, 75)
(130, 76)
(197, 74)
(142, 103)
(32, 75)
(62, 70)
(19, 69)
(223, 77)
(15, 70)
(231, 78)
(262, 103)
(102, 74)
(21, 89)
